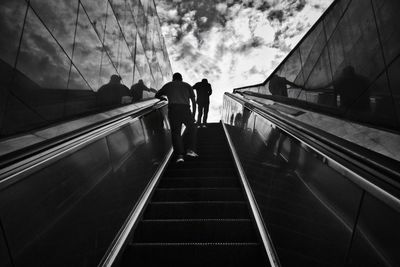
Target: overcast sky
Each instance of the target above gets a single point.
(233, 43)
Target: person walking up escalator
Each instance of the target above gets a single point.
(203, 90)
(178, 94)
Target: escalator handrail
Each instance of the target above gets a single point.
(14, 164)
(377, 173)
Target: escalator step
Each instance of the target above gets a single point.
(198, 194)
(194, 254)
(196, 172)
(197, 210)
(199, 163)
(195, 231)
(198, 182)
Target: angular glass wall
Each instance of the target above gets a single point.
(56, 54)
(347, 65)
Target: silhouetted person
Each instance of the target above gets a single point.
(179, 93)
(277, 85)
(352, 89)
(113, 93)
(137, 90)
(203, 90)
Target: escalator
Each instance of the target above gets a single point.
(198, 214)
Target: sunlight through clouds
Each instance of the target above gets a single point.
(233, 43)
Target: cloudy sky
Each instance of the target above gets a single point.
(233, 43)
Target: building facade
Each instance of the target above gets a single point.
(55, 55)
(347, 65)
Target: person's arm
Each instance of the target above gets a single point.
(160, 93)
(210, 91)
(193, 100)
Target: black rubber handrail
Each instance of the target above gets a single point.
(32, 150)
(372, 166)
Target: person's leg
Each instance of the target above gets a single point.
(191, 130)
(200, 113)
(205, 113)
(175, 121)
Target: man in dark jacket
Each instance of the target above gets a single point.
(113, 93)
(203, 90)
(179, 93)
(137, 90)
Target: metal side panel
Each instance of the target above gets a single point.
(266, 239)
(131, 221)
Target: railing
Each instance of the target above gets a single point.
(354, 192)
(65, 199)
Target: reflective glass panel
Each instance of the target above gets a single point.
(106, 70)
(309, 44)
(40, 58)
(87, 53)
(387, 13)
(142, 63)
(332, 18)
(320, 77)
(97, 12)
(125, 65)
(374, 104)
(113, 37)
(336, 52)
(360, 39)
(394, 79)
(12, 14)
(311, 49)
(59, 16)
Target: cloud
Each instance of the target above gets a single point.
(233, 43)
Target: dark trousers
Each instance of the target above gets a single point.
(202, 107)
(178, 114)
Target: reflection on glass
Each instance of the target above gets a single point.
(76, 81)
(113, 93)
(311, 50)
(387, 13)
(12, 14)
(140, 91)
(332, 18)
(128, 27)
(394, 78)
(351, 88)
(79, 98)
(383, 104)
(97, 12)
(125, 64)
(59, 16)
(340, 63)
(140, 20)
(87, 52)
(336, 52)
(107, 68)
(320, 75)
(55, 78)
(360, 39)
(142, 63)
(113, 37)
(40, 58)
(278, 85)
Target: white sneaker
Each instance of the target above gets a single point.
(191, 153)
(179, 159)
